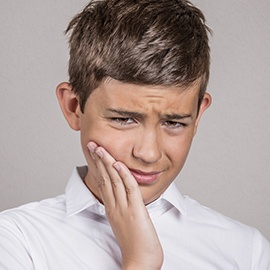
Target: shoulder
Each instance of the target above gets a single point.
(20, 227)
(33, 210)
(29, 220)
(209, 218)
(233, 235)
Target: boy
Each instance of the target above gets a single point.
(138, 75)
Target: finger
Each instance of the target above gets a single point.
(103, 178)
(132, 190)
(117, 184)
(92, 149)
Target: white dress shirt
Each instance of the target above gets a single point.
(71, 232)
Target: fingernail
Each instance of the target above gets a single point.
(91, 147)
(116, 166)
(99, 153)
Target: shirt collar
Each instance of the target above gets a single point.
(175, 198)
(78, 196)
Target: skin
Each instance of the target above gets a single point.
(135, 140)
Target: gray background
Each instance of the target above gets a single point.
(228, 167)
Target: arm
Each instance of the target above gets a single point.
(127, 214)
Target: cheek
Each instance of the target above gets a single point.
(116, 143)
(178, 149)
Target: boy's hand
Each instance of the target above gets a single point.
(126, 212)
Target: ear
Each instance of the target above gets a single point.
(69, 105)
(206, 102)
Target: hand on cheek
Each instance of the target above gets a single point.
(126, 212)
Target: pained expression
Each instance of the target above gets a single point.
(148, 128)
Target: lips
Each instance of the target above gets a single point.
(145, 178)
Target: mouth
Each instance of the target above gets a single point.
(145, 178)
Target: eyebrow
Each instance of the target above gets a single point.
(177, 116)
(125, 113)
(132, 114)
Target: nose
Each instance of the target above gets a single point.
(147, 147)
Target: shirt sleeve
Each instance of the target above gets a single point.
(261, 252)
(13, 247)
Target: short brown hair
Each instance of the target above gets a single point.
(151, 42)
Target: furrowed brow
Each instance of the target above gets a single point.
(125, 113)
(177, 116)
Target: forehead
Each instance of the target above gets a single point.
(120, 95)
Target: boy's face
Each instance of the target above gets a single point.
(149, 128)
